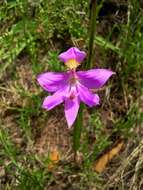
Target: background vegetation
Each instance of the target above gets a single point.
(32, 34)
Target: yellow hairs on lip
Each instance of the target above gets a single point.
(72, 64)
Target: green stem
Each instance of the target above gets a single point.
(94, 10)
(91, 33)
(77, 131)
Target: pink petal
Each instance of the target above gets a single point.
(52, 81)
(94, 78)
(87, 96)
(57, 98)
(72, 53)
(71, 110)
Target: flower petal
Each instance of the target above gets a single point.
(72, 53)
(71, 110)
(57, 98)
(52, 81)
(94, 78)
(88, 97)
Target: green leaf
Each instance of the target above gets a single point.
(106, 44)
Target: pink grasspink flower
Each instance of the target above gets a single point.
(73, 87)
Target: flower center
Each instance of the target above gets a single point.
(73, 78)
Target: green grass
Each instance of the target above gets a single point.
(32, 34)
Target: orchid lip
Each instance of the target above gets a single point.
(72, 57)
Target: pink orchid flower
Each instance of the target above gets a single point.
(73, 87)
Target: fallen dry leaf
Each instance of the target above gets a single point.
(102, 161)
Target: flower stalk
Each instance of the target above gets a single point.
(77, 131)
(92, 26)
(79, 120)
